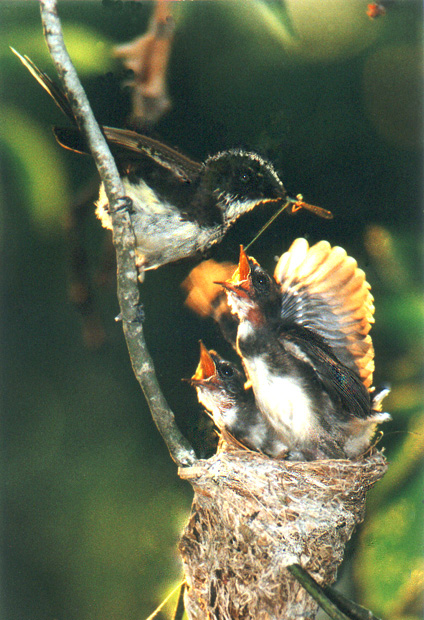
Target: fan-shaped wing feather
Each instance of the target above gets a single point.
(325, 291)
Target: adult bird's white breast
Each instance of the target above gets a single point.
(162, 234)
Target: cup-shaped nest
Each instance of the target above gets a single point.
(253, 516)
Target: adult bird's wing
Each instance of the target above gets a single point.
(324, 291)
(125, 144)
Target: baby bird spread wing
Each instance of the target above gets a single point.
(207, 298)
(324, 291)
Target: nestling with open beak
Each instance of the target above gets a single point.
(220, 389)
(303, 337)
(178, 206)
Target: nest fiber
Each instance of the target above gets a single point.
(253, 516)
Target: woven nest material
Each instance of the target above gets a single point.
(253, 516)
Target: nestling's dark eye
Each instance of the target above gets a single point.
(261, 281)
(244, 177)
(226, 370)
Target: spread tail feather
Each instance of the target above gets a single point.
(49, 86)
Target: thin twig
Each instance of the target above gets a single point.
(316, 592)
(124, 239)
(352, 609)
(179, 609)
(335, 605)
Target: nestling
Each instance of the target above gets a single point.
(303, 337)
(220, 389)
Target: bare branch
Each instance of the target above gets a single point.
(334, 603)
(124, 239)
(316, 592)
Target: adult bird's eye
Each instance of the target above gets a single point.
(245, 177)
(226, 370)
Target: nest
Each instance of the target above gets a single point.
(253, 516)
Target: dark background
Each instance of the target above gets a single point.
(92, 505)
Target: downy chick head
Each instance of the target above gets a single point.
(219, 386)
(221, 390)
(252, 293)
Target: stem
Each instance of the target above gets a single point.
(123, 236)
(316, 592)
(336, 605)
(179, 610)
(353, 610)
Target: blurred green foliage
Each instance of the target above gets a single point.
(389, 562)
(38, 163)
(92, 503)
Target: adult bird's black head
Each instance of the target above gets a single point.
(240, 181)
(179, 206)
